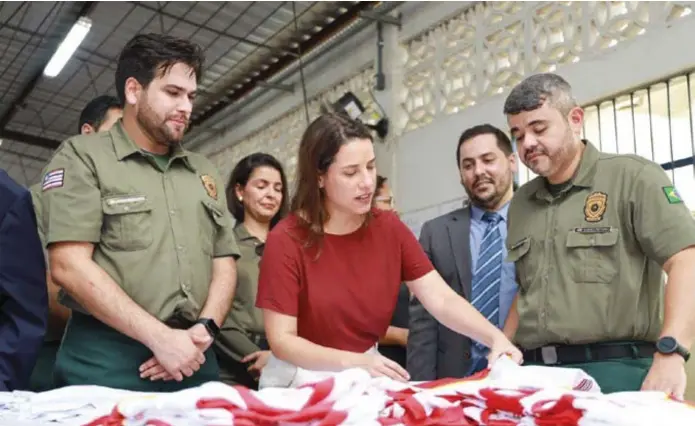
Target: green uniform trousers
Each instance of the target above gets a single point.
(616, 375)
(93, 353)
(42, 376)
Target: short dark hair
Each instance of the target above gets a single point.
(95, 111)
(240, 176)
(320, 144)
(147, 55)
(503, 141)
(536, 90)
(380, 181)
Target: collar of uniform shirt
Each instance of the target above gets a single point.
(584, 176)
(125, 147)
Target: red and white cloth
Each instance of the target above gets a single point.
(506, 395)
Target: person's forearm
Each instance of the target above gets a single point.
(460, 316)
(221, 291)
(58, 315)
(512, 322)
(454, 311)
(310, 356)
(96, 291)
(395, 336)
(679, 302)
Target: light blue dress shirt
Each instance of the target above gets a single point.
(508, 286)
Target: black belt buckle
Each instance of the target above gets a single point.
(549, 355)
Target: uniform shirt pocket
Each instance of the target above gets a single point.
(518, 254)
(591, 254)
(212, 221)
(127, 222)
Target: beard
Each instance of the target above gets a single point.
(557, 160)
(490, 199)
(157, 128)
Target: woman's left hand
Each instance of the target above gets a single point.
(502, 346)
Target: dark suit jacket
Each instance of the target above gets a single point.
(23, 292)
(435, 351)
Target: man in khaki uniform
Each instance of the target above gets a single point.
(99, 115)
(139, 235)
(591, 237)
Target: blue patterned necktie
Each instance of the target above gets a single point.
(488, 273)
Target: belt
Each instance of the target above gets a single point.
(259, 340)
(178, 322)
(577, 354)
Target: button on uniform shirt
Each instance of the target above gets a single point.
(156, 230)
(508, 286)
(589, 261)
(244, 318)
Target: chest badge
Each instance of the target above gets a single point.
(210, 187)
(595, 206)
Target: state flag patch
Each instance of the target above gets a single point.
(53, 179)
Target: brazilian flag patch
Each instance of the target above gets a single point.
(672, 195)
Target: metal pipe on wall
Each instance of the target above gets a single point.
(199, 139)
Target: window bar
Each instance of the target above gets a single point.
(584, 127)
(690, 120)
(615, 127)
(670, 130)
(600, 137)
(632, 113)
(651, 123)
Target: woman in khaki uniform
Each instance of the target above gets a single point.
(394, 343)
(257, 198)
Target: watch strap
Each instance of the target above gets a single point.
(680, 350)
(210, 326)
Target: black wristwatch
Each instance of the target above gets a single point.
(210, 326)
(667, 345)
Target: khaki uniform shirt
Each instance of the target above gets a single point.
(155, 231)
(244, 318)
(589, 262)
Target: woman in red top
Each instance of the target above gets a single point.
(328, 268)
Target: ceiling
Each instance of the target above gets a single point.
(245, 43)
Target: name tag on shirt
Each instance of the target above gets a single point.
(598, 230)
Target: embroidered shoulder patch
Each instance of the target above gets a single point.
(672, 195)
(53, 179)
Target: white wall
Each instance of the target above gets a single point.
(463, 56)
(426, 156)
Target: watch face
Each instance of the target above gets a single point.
(666, 345)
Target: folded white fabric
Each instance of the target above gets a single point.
(516, 395)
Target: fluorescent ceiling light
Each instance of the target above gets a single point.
(66, 49)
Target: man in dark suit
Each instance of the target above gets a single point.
(466, 247)
(23, 294)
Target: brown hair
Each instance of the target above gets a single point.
(317, 150)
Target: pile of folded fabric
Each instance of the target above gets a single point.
(506, 395)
